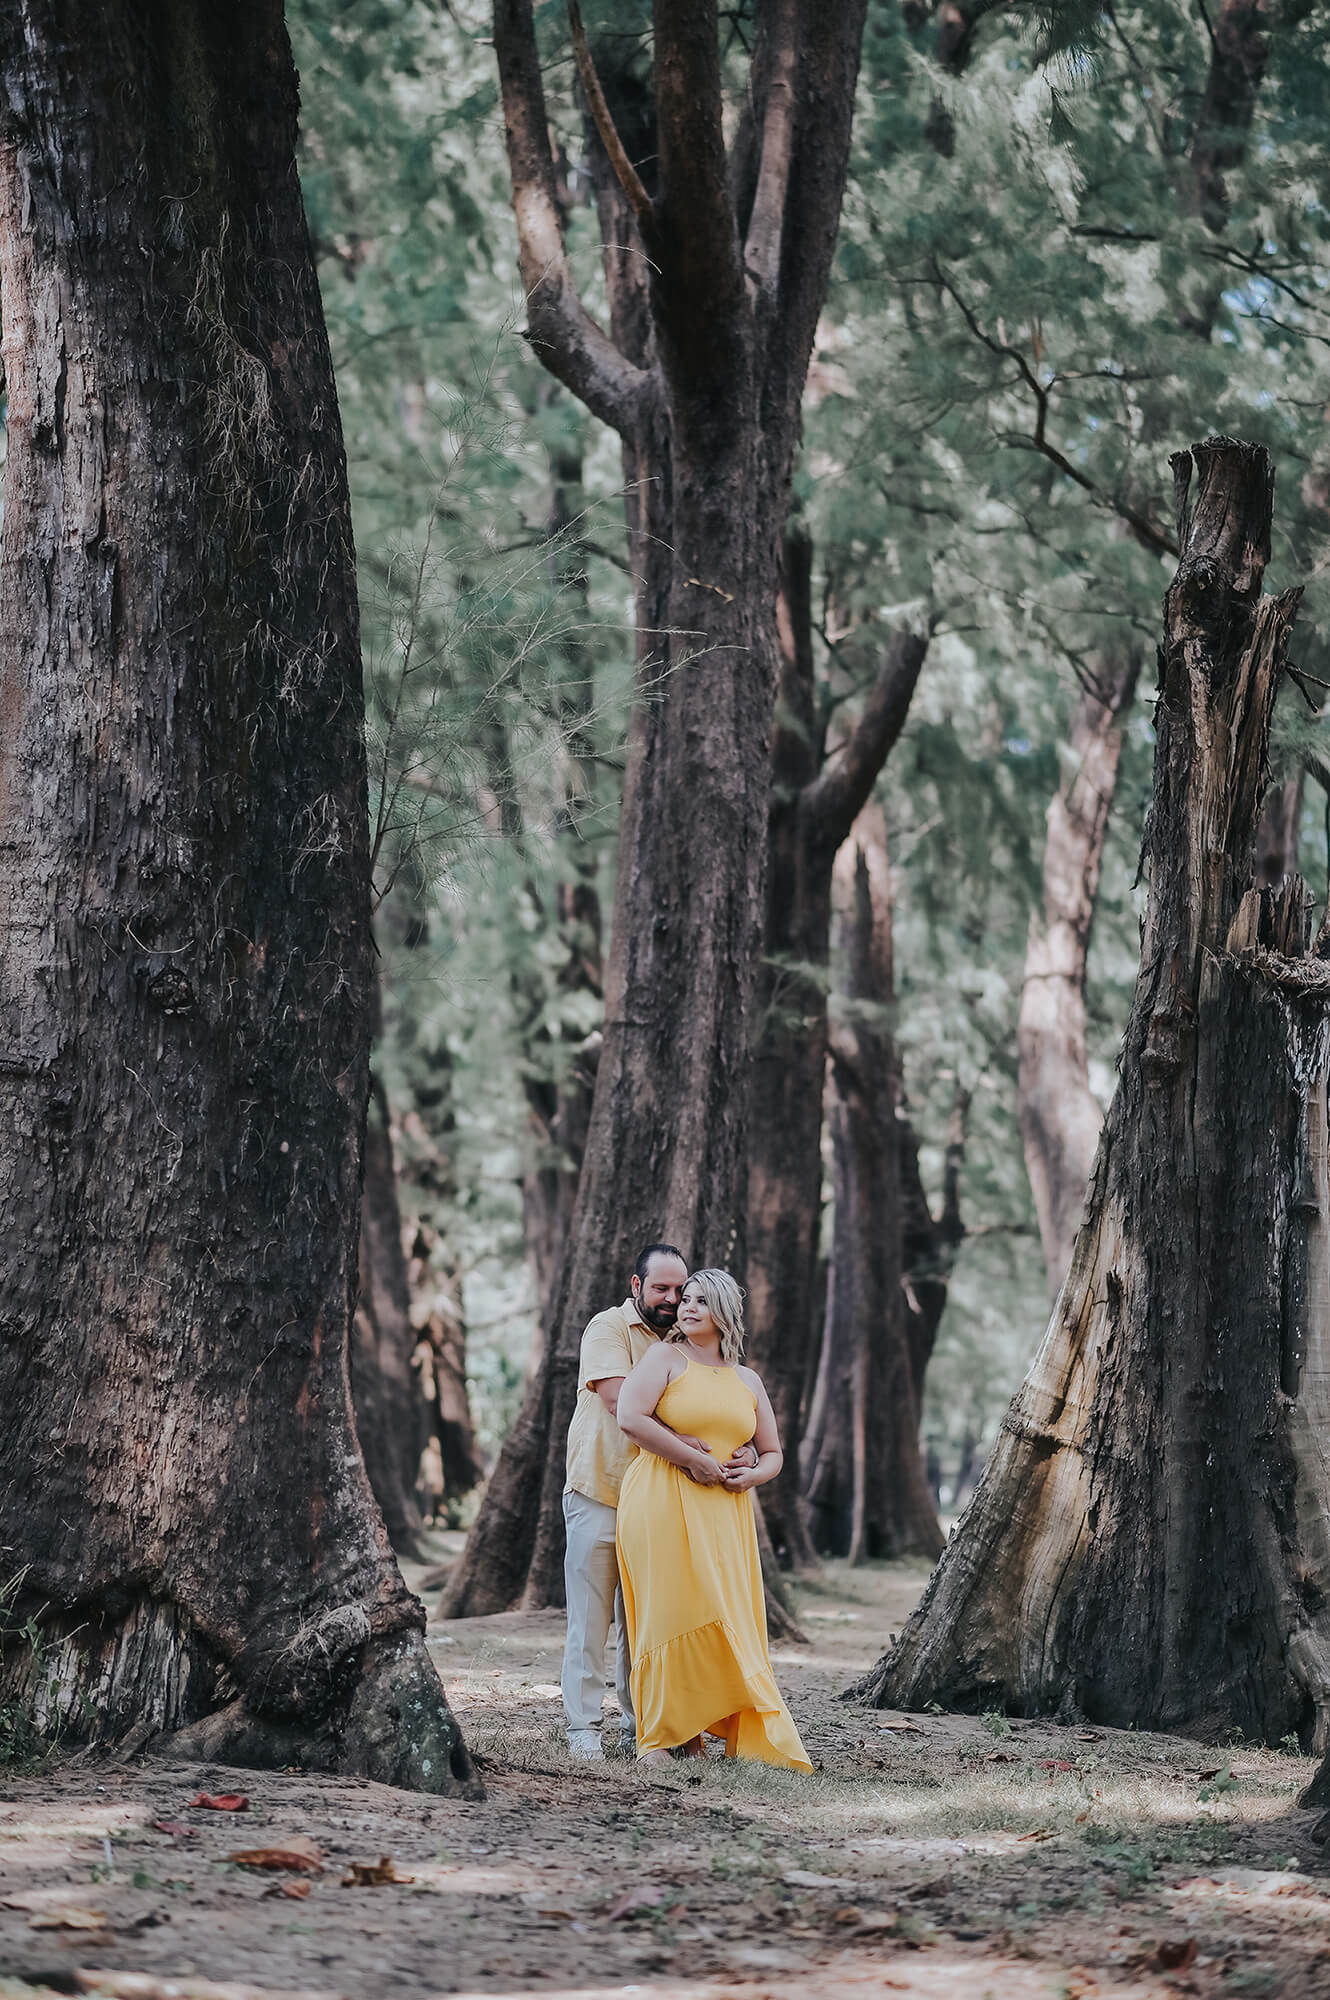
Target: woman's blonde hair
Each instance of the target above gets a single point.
(724, 1300)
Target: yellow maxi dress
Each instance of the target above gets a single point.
(692, 1587)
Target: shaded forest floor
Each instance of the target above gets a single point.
(956, 1857)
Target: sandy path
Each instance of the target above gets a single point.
(949, 1858)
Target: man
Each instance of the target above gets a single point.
(598, 1456)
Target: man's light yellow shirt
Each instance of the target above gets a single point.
(598, 1452)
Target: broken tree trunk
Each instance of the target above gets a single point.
(1150, 1542)
(1059, 1113)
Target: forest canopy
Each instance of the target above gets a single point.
(1062, 254)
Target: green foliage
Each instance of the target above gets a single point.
(1037, 299)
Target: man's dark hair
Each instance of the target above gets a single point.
(643, 1264)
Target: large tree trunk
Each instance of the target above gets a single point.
(703, 380)
(423, 1137)
(385, 1389)
(560, 1047)
(1150, 1542)
(865, 1484)
(814, 799)
(1059, 1113)
(184, 868)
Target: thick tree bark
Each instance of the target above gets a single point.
(865, 1485)
(1059, 1113)
(1278, 832)
(385, 1389)
(707, 402)
(814, 800)
(1150, 1542)
(184, 868)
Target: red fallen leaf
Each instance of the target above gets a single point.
(292, 1889)
(222, 1801)
(1055, 1764)
(177, 1827)
(1176, 1954)
(295, 1853)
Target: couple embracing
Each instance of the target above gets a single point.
(670, 1435)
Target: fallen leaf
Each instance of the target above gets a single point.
(646, 1897)
(1176, 1954)
(68, 1919)
(1002, 1757)
(291, 1889)
(1041, 1833)
(850, 1914)
(1055, 1764)
(873, 1922)
(296, 1854)
(221, 1801)
(373, 1874)
(176, 1827)
(904, 1728)
(1089, 1736)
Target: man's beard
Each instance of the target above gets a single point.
(659, 1318)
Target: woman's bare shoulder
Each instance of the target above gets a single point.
(661, 1361)
(749, 1377)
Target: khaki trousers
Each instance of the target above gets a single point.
(595, 1602)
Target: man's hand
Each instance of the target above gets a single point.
(744, 1459)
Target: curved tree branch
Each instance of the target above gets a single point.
(624, 171)
(831, 802)
(561, 330)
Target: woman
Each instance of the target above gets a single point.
(688, 1560)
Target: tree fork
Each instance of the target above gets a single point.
(702, 376)
(1150, 1542)
(184, 867)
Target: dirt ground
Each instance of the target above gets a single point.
(960, 1858)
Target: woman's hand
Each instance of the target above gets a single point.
(706, 1470)
(741, 1478)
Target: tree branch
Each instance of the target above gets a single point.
(831, 803)
(1157, 540)
(762, 248)
(695, 209)
(562, 332)
(827, 37)
(639, 201)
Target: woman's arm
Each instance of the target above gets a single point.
(641, 1392)
(766, 1442)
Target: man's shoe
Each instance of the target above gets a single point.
(586, 1744)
